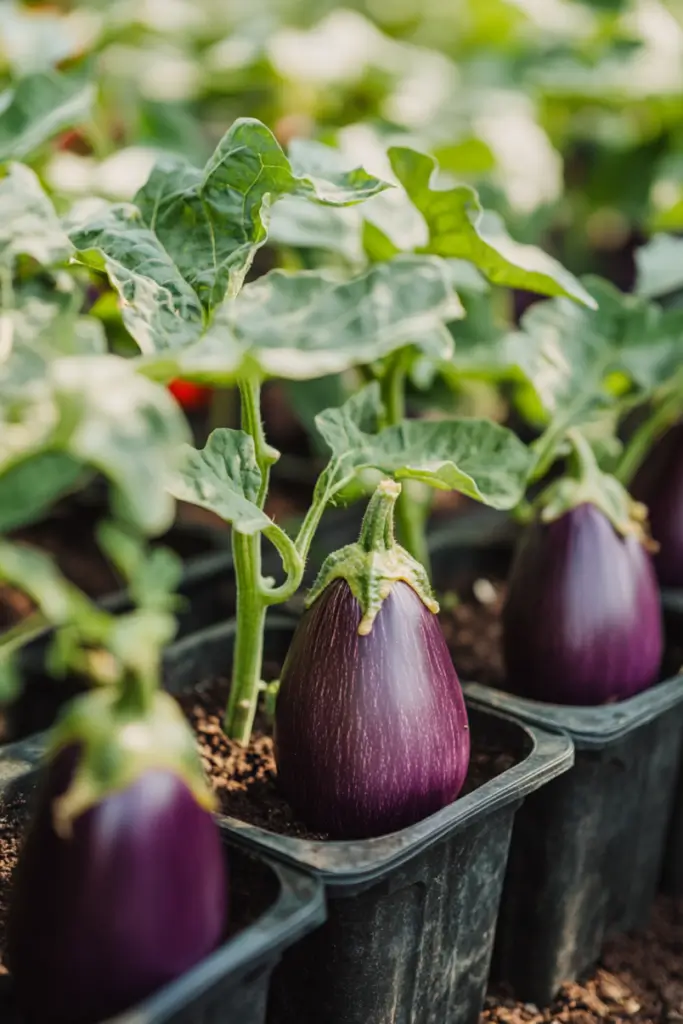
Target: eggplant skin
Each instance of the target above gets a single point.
(371, 732)
(659, 484)
(135, 897)
(582, 622)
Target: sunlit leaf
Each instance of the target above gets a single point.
(29, 225)
(305, 325)
(37, 108)
(212, 221)
(159, 308)
(31, 487)
(459, 228)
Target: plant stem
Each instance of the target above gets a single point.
(248, 652)
(253, 597)
(663, 417)
(411, 514)
(250, 398)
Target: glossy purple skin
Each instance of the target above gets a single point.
(371, 731)
(582, 622)
(136, 897)
(659, 484)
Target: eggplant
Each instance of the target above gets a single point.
(659, 484)
(582, 623)
(127, 897)
(371, 730)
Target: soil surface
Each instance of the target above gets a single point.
(473, 630)
(10, 841)
(245, 777)
(639, 979)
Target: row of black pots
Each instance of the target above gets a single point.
(585, 853)
(410, 917)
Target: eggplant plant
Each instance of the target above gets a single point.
(582, 623)
(120, 885)
(371, 730)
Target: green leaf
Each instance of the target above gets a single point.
(305, 325)
(459, 228)
(659, 266)
(31, 487)
(211, 222)
(568, 352)
(479, 458)
(159, 308)
(29, 225)
(223, 477)
(10, 680)
(101, 413)
(152, 574)
(38, 107)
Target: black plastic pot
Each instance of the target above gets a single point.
(587, 849)
(411, 916)
(282, 903)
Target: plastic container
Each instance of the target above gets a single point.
(411, 916)
(587, 849)
(232, 983)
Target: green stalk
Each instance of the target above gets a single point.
(663, 417)
(252, 595)
(248, 651)
(411, 514)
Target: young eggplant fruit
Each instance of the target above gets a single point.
(371, 730)
(660, 485)
(121, 883)
(582, 621)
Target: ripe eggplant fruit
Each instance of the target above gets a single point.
(371, 730)
(659, 484)
(121, 881)
(582, 622)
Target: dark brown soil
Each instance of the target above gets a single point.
(244, 778)
(473, 630)
(10, 840)
(639, 979)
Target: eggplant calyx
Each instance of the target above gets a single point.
(375, 562)
(117, 745)
(590, 486)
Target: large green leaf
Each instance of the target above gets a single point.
(29, 225)
(158, 306)
(568, 352)
(305, 325)
(223, 477)
(459, 228)
(479, 458)
(660, 266)
(102, 414)
(212, 221)
(39, 107)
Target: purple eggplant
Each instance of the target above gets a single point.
(582, 622)
(659, 484)
(127, 899)
(371, 730)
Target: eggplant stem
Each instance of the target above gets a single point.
(410, 513)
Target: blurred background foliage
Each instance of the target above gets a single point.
(566, 115)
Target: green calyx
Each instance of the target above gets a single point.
(118, 743)
(375, 562)
(589, 485)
